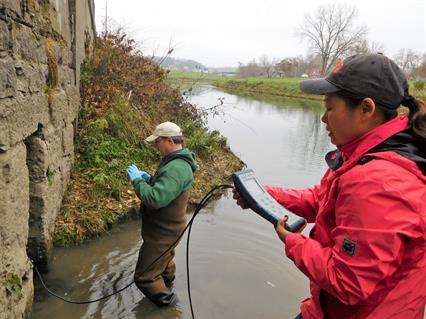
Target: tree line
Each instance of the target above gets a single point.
(332, 35)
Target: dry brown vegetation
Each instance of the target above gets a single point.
(124, 95)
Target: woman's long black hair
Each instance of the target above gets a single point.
(417, 116)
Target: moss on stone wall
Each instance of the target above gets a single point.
(52, 64)
(13, 287)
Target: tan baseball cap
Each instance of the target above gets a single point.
(164, 129)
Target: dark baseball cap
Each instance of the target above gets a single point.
(364, 75)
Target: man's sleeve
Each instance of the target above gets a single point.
(166, 189)
(374, 223)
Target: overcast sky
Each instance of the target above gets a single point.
(225, 32)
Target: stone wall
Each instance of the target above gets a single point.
(42, 44)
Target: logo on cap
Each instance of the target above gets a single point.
(337, 67)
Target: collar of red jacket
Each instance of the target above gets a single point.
(372, 138)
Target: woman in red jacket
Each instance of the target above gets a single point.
(366, 255)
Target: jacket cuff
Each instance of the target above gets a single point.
(292, 240)
(136, 181)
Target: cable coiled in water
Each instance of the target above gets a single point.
(188, 227)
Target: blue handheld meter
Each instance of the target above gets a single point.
(261, 202)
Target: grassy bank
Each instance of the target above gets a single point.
(281, 101)
(272, 86)
(184, 79)
(289, 86)
(182, 75)
(124, 95)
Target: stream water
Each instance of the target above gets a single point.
(238, 266)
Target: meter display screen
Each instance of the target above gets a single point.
(253, 187)
(260, 202)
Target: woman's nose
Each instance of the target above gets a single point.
(324, 118)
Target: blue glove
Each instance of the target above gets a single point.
(134, 172)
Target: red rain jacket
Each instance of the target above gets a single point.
(366, 255)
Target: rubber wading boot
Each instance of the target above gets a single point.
(164, 298)
(169, 282)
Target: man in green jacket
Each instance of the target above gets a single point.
(164, 198)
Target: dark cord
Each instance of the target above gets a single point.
(201, 205)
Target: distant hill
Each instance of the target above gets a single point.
(181, 64)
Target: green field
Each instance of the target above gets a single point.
(192, 75)
(272, 86)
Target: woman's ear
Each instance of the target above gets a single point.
(368, 107)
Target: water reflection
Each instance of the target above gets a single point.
(279, 101)
(276, 136)
(146, 309)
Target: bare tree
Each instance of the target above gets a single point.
(421, 70)
(407, 60)
(266, 65)
(332, 33)
(285, 66)
(365, 47)
(289, 67)
(297, 66)
(250, 69)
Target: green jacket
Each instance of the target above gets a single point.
(174, 175)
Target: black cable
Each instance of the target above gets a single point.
(200, 205)
(119, 290)
(77, 302)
